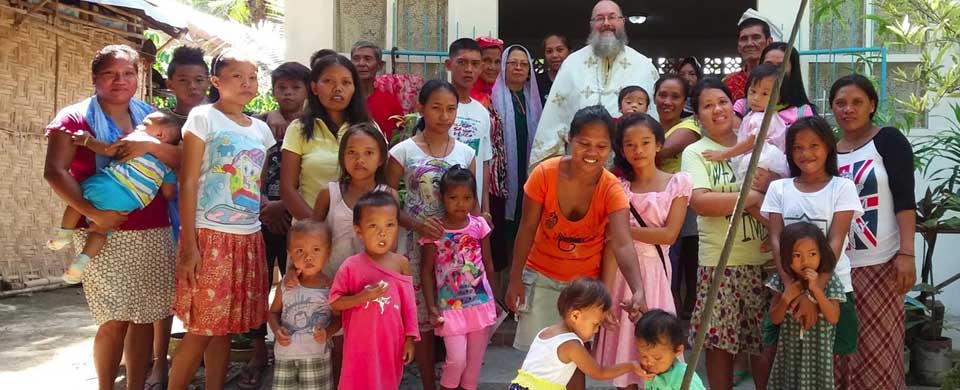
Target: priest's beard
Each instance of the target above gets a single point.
(607, 47)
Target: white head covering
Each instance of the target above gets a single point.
(775, 32)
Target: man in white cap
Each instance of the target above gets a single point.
(590, 76)
(753, 35)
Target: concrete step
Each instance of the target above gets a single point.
(505, 333)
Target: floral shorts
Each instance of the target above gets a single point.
(735, 325)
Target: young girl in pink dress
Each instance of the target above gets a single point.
(373, 291)
(455, 285)
(658, 204)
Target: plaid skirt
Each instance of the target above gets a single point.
(132, 279)
(878, 362)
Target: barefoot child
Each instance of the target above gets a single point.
(373, 291)
(221, 270)
(122, 186)
(660, 337)
(455, 284)
(558, 350)
(633, 99)
(300, 317)
(805, 358)
(420, 161)
(362, 160)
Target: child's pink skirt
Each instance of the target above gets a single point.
(230, 295)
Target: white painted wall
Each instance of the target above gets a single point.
(945, 262)
(471, 18)
(309, 25)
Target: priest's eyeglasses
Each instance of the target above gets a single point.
(605, 18)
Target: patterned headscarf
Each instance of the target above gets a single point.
(481, 89)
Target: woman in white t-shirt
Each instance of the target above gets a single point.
(816, 194)
(880, 163)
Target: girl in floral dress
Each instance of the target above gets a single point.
(454, 274)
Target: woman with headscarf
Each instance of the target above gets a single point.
(491, 50)
(516, 98)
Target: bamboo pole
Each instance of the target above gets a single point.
(738, 209)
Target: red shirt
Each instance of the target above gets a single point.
(382, 106)
(72, 119)
(737, 83)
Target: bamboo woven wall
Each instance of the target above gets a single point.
(34, 85)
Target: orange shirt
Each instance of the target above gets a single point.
(564, 250)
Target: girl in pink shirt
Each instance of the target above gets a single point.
(455, 285)
(373, 291)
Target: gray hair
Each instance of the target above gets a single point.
(361, 44)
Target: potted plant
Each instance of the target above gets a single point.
(930, 353)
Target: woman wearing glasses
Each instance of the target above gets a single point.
(516, 98)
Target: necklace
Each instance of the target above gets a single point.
(519, 103)
(857, 143)
(443, 152)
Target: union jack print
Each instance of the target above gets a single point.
(864, 233)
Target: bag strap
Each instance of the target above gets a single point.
(636, 215)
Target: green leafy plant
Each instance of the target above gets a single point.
(248, 12)
(952, 380)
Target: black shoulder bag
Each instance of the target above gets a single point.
(636, 215)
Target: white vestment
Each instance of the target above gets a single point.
(585, 80)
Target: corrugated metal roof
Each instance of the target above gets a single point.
(155, 15)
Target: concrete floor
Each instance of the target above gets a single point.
(46, 342)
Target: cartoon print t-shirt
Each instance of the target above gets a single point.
(464, 296)
(422, 173)
(228, 199)
(564, 249)
(304, 310)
